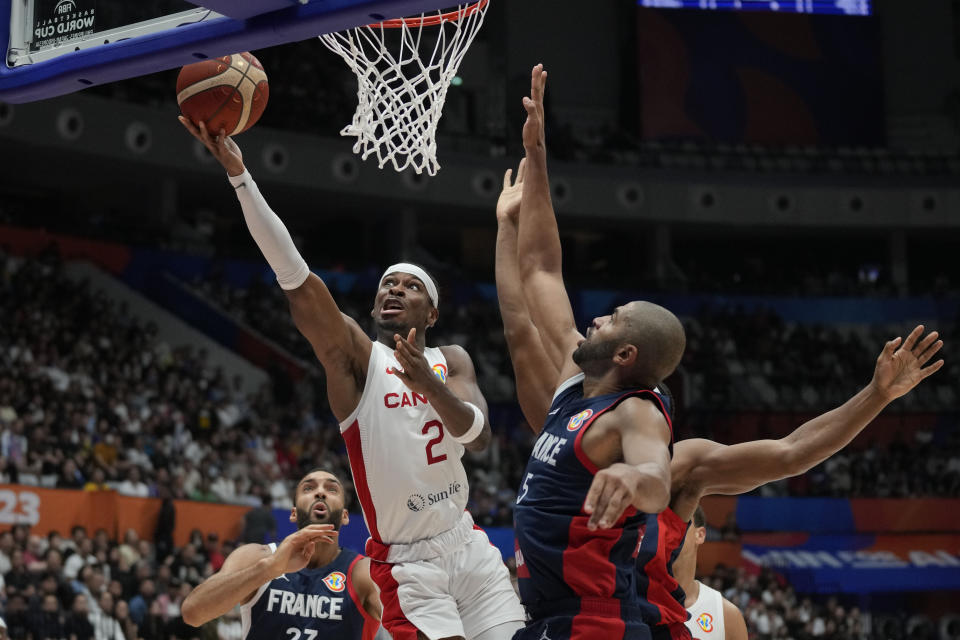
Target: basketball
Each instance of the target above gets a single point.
(228, 93)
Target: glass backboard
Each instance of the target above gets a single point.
(54, 47)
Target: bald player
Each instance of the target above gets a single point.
(698, 467)
(602, 461)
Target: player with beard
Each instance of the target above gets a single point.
(407, 413)
(307, 587)
(698, 467)
(602, 460)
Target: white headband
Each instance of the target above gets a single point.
(414, 270)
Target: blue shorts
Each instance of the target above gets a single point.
(584, 627)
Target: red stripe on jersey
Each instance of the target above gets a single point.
(578, 445)
(591, 627)
(393, 619)
(671, 532)
(359, 470)
(587, 569)
(522, 570)
(377, 550)
(370, 624)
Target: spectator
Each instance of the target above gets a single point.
(47, 623)
(166, 521)
(214, 555)
(70, 476)
(259, 523)
(81, 558)
(140, 603)
(105, 625)
(97, 482)
(133, 486)
(122, 615)
(6, 548)
(229, 626)
(16, 618)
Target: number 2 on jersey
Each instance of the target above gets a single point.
(432, 458)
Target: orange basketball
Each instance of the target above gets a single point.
(228, 93)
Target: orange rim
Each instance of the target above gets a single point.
(432, 21)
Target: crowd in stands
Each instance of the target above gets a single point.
(85, 587)
(773, 610)
(91, 399)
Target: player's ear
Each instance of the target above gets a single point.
(293, 514)
(432, 317)
(700, 536)
(626, 355)
(345, 519)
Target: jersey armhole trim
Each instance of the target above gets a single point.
(637, 393)
(366, 389)
(566, 384)
(367, 618)
(246, 608)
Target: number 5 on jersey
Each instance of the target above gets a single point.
(525, 488)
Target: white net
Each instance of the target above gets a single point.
(403, 75)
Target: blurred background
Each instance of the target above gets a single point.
(788, 184)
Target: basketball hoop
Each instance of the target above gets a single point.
(403, 82)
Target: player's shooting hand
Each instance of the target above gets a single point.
(222, 147)
(295, 551)
(534, 136)
(417, 373)
(613, 490)
(508, 206)
(900, 367)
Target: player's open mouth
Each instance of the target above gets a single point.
(391, 307)
(319, 510)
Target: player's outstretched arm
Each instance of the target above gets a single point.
(642, 479)
(706, 467)
(247, 569)
(539, 242)
(340, 344)
(534, 372)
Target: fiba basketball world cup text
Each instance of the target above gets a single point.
(58, 21)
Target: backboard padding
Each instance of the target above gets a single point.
(179, 45)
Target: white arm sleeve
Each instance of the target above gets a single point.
(270, 234)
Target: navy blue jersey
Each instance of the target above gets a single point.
(563, 568)
(662, 542)
(311, 604)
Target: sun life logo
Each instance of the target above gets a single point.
(705, 620)
(336, 581)
(416, 502)
(578, 420)
(441, 371)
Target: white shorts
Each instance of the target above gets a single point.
(462, 593)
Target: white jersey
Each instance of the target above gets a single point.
(706, 615)
(406, 468)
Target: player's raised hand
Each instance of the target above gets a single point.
(417, 373)
(613, 490)
(222, 147)
(508, 206)
(534, 135)
(295, 551)
(900, 366)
